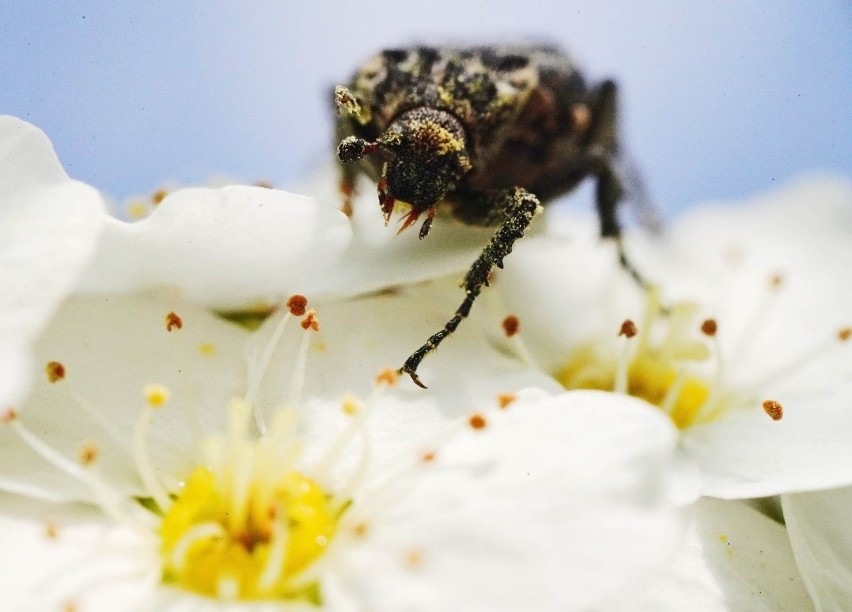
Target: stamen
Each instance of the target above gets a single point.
(257, 369)
(477, 421)
(387, 377)
(628, 330)
(156, 396)
(173, 321)
(88, 454)
(511, 325)
(55, 371)
(106, 498)
(297, 380)
(504, 400)
(773, 409)
(277, 552)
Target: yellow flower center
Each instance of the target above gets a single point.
(665, 364)
(256, 550)
(248, 525)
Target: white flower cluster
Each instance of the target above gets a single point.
(196, 408)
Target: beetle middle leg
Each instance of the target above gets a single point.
(512, 209)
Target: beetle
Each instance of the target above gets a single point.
(490, 133)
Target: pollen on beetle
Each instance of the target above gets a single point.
(173, 321)
(773, 409)
(55, 371)
(511, 325)
(297, 305)
(156, 395)
(477, 421)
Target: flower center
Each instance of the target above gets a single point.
(248, 530)
(666, 360)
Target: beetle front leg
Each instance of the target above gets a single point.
(517, 208)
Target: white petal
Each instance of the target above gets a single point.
(749, 455)
(58, 557)
(556, 504)
(49, 225)
(732, 558)
(228, 247)
(111, 348)
(818, 523)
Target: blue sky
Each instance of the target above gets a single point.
(720, 99)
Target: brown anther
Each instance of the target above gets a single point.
(504, 400)
(709, 327)
(297, 305)
(388, 376)
(428, 456)
(310, 321)
(844, 334)
(776, 280)
(360, 530)
(158, 196)
(88, 453)
(55, 371)
(628, 329)
(51, 530)
(263, 184)
(173, 321)
(70, 606)
(773, 409)
(511, 325)
(9, 415)
(477, 421)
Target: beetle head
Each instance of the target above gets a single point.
(427, 157)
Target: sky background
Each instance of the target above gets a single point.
(720, 99)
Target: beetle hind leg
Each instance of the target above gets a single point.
(516, 209)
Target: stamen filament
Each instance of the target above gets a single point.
(105, 497)
(142, 459)
(274, 568)
(257, 369)
(196, 533)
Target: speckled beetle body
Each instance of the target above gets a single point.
(489, 132)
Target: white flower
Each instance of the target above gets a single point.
(239, 247)
(751, 324)
(49, 225)
(732, 558)
(381, 500)
(818, 523)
